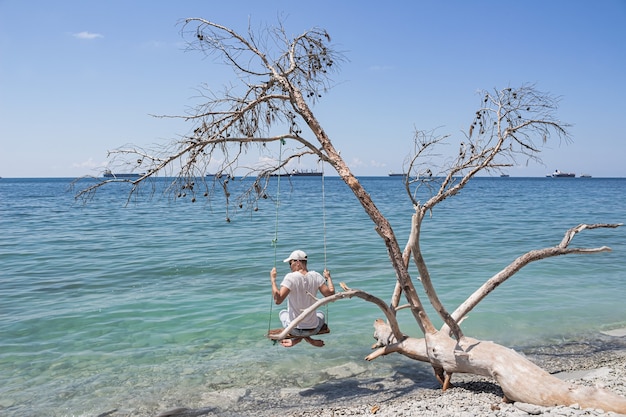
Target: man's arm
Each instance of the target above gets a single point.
(328, 288)
(278, 294)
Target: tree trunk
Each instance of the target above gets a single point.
(520, 379)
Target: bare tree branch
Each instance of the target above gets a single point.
(347, 293)
(531, 256)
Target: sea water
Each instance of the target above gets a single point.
(157, 301)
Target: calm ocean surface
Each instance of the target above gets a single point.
(159, 302)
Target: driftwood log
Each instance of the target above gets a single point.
(520, 379)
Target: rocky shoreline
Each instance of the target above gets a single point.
(476, 396)
(594, 363)
(598, 361)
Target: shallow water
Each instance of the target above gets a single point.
(160, 302)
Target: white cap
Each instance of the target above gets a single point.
(296, 255)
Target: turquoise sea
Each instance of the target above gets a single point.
(158, 302)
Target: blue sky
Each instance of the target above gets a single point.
(79, 78)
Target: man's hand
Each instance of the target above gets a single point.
(329, 283)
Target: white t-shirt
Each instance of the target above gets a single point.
(300, 286)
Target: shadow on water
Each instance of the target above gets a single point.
(403, 381)
(337, 390)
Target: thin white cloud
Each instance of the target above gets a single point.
(356, 162)
(89, 163)
(378, 68)
(376, 164)
(87, 35)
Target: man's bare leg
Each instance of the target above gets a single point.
(314, 342)
(290, 342)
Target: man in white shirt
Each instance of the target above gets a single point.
(301, 285)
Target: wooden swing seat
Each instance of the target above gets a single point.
(305, 333)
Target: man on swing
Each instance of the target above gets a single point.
(301, 285)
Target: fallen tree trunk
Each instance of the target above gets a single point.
(520, 379)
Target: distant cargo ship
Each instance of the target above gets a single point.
(559, 174)
(109, 174)
(296, 173)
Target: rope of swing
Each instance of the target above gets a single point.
(324, 228)
(275, 240)
(323, 211)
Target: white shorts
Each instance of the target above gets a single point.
(284, 317)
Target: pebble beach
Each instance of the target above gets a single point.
(475, 396)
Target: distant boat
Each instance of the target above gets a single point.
(559, 174)
(585, 176)
(504, 175)
(393, 174)
(109, 174)
(295, 173)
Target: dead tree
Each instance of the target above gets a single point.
(280, 78)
